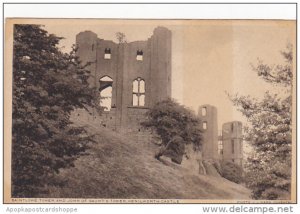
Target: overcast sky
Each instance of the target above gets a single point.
(208, 57)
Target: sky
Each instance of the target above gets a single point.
(209, 57)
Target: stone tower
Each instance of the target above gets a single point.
(227, 145)
(232, 138)
(209, 126)
(130, 77)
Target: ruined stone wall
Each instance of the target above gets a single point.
(123, 68)
(86, 43)
(233, 142)
(231, 137)
(209, 126)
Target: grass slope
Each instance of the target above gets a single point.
(119, 167)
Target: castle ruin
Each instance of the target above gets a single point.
(225, 144)
(132, 77)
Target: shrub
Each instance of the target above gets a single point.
(231, 171)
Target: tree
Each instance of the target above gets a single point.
(176, 126)
(268, 169)
(47, 86)
(121, 37)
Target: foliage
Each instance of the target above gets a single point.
(121, 37)
(176, 126)
(231, 171)
(269, 166)
(47, 85)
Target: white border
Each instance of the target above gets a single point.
(191, 11)
(153, 11)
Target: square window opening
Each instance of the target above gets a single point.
(139, 55)
(107, 53)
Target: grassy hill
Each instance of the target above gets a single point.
(120, 167)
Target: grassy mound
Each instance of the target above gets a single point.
(121, 167)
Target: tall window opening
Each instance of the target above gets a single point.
(220, 147)
(139, 55)
(241, 146)
(204, 125)
(232, 127)
(204, 111)
(138, 92)
(106, 92)
(232, 146)
(107, 53)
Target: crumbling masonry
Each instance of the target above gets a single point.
(132, 77)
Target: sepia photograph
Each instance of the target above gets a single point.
(149, 111)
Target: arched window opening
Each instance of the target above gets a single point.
(107, 53)
(204, 111)
(138, 92)
(106, 92)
